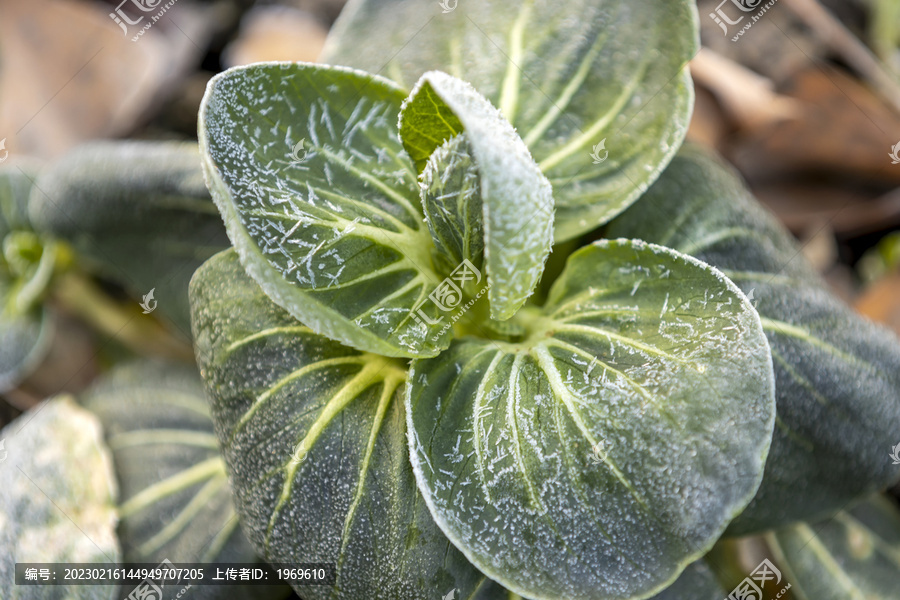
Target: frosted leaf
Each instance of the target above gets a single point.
(696, 582)
(451, 199)
(57, 498)
(314, 435)
(602, 456)
(837, 375)
(329, 230)
(137, 212)
(569, 77)
(175, 502)
(855, 554)
(516, 200)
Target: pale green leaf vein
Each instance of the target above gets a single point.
(548, 365)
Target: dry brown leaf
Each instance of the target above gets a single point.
(276, 33)
(881, 301)
(709, 125)
(749, 99)
(844, 129)
(68, 74)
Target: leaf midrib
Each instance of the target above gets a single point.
(546, 362)
(387, 395)
(363, 380)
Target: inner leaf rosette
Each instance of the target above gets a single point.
(609, 449)
(514, 197)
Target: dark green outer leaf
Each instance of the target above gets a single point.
(566, 75)
(175, 500)
(57, 498)
(337, 238)
(853, 556)
(24, 340)
(647, 354)
(315, 441)
(837, 375)
(697, 582)
(137, 212)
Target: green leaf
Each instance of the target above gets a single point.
(853, 556)
(57, 498)
(837, 375)
(24, 339)
(15, 186)
(566, 75)
(25, 327)
(314, 437)
(335, 237)
(451, 200)
(697, 582)
(610, 449)
(175, 500)
(516, 199)
(137, 212)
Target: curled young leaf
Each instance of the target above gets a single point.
(598, 89)
(321, 201)
(854, 555)
(610, 448)
(451, 199)
(314, 435)
(837, 375)
(516, 198)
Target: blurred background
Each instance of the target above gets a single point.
(806, 106)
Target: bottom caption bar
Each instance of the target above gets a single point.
(153, 577)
